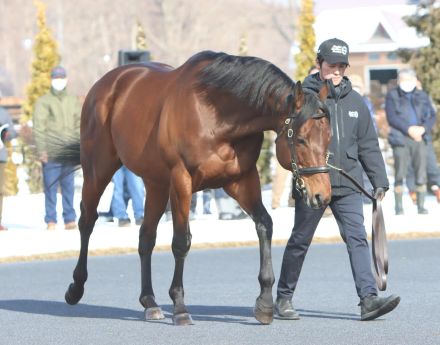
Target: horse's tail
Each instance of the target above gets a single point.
(69, 155)
(64, 150)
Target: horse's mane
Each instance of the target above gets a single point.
(250, 79)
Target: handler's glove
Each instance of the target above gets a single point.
(379, 193)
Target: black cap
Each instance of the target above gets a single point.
(333, 51)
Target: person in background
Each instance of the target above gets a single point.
(57, 115)
(432, 168)
(136, 192)
(207, 197)
(354, 139)
(411, 117)
(7, 133)
(228, 208)
(432, 173)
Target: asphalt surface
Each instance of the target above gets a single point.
(220, 290)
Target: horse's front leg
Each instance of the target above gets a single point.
(247, 192)
(180, 197)
(264, 305)
(157, 198)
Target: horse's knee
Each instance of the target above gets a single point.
(146, 244)
(265, 229)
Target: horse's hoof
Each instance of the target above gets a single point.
(73, 294)
(154, 313)
(183, 319)
(263, 314)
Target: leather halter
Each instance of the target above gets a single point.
(296, 171)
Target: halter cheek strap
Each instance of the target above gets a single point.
(296, 171)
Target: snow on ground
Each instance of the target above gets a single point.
(24, 216)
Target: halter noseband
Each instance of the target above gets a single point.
(297, 172)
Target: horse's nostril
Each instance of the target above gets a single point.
(318, 197)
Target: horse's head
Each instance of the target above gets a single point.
(302, 144)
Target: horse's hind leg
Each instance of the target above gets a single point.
(247, 192)
(91, 193)
(157, 198)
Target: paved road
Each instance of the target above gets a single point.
(221, 287)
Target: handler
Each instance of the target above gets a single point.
(354, 140)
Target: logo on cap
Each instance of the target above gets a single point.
(339, 49)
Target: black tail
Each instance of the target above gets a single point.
(64, 150)
(67, 153)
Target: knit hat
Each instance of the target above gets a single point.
(58, 72)
(333, 51)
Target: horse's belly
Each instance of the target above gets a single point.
(215, 172)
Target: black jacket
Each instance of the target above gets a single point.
(397, 107)
(354, 138)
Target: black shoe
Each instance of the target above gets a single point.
(139, 221)
(374, 306)
(123, 223)
(422, 211)
(285, 309)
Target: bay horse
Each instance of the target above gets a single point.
(187, 129)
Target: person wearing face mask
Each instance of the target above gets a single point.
(57, 116)
(354, 140)
(411, 117)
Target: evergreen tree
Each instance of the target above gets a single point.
(11, 179)
(426, 60)
(46, 57)
(243, 48)
(307, 40)
(140, 37)
(263, 163)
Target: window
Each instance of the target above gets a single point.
(392, 56)
(373, 56)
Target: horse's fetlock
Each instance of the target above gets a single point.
(80, 277)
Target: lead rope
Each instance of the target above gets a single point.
(379, 246)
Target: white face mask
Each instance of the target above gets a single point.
(59, 84)
(407, 86)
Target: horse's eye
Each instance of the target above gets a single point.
(301, 141)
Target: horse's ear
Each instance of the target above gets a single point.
(289, 100)
(299, 96)
(323, 93)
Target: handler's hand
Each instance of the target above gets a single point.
(416, 132)
(43, 157)
(379, 193)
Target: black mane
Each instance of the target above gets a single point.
(250, 79)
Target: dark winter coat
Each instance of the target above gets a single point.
(398, 111)
(354, 138)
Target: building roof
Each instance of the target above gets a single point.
(370, 29)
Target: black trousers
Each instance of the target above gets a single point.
(348, 212)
